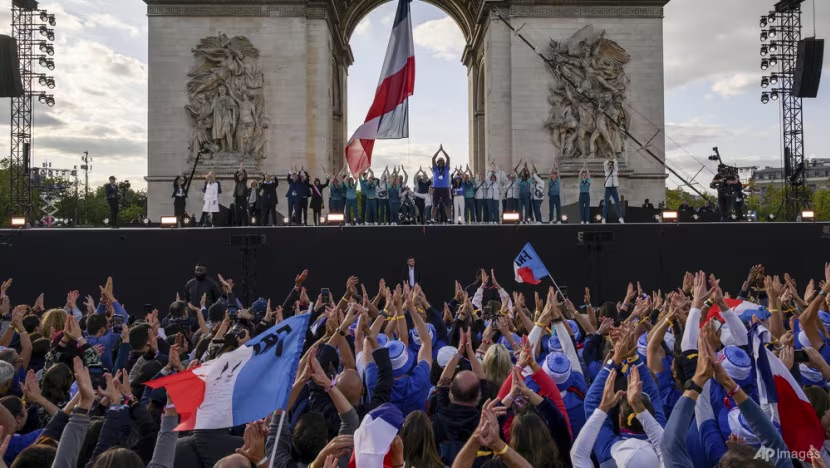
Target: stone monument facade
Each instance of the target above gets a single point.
(262, 82)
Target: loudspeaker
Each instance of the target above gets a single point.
(27, 148)
(10, 84)
(808, 67)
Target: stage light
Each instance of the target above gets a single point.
(52, 21)
(147, 221)
(335, 218)
(773, 32)
(696, 217)
(18, 221)
(658, 218)
(763, 21)
(764, 64)
(187, 220)
(771, 17)
(764, 97)
(808, 215)
(460, 219)
(765, 82)
(167, 221)
(734, 217)
(285, 220)
(764, 35)
(773, 61)
(510, 218)
(44, 16)
(774, 95)
(106, 220)
(43, 30)
(670, 216)
(773, 79)
(50, 83)
(564, 219)
(42, 80)
(598, 218)
(253, 219)
(773, 46)
(764, 50)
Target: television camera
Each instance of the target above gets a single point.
(724, 172)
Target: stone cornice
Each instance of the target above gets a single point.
(548, 11)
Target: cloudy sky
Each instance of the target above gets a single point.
(712, 87)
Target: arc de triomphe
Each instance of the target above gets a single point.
(264, 82)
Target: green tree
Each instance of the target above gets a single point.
(821, 204)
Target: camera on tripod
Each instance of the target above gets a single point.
(724, 172)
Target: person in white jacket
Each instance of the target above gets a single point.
(492, 195)
(537, 194)
(210, 207)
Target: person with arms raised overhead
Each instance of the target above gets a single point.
(441, 179)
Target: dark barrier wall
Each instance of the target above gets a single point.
(150, 265)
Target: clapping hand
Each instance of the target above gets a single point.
(610, 398)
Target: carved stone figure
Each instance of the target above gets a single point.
(587, 98)
(226, 98)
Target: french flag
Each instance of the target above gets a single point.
(528, 267)
(388, 118)
(241, 386)
(743, 309)
(782, 397)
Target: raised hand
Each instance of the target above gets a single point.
(610, 398)
(635, 390)
(299, 279)
(5, 286)
(38, 307)
(84, 382)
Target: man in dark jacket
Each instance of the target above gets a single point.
(240, 197)
(410, 274)
(269, 200)
(456, 414)
(199, 285)
(111, 191)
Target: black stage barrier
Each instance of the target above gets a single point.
(149, 266)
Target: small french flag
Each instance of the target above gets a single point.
(528, 267)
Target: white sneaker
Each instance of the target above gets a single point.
(538, 222)
(559, 222)
(603, 220)
(622, 221)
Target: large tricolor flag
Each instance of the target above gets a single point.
(241, 386)
(528, 267)
(388, 118)
(782, 397)
(743, 309)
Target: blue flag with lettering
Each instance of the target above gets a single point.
(528, 267)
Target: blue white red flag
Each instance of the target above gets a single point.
(528, 267)
(388, 118)
(782, 397)
(241, 386)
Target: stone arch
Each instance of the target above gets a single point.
(458, 10)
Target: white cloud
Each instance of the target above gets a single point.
(363, 28)
(110, 22)
(387, 19)
(736, 84)
(441, 37)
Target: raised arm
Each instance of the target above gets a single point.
(425, 353)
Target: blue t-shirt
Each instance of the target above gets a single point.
(553, 188)
(469, 189)
(351, 192)
(585, 186)
(370, 189)
(524, 188)
(336, 191)
(441, 178)
(394, 194)
(410, 393)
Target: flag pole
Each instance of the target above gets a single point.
(556, 286)
(276, 440)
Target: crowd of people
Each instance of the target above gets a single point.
(445, 196)
(485, 378)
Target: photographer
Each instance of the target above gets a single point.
(738, 198)
(723, 182)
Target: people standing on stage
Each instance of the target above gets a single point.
(623, 205)
(269, 200)
(395, 195)
(554, 197)
(362, 180)
(337, 193)
(296, 187)
(441, 180)
(112, 199)
(585, 195)
(254, 204)
(351, 202)
(210, 207)
(384, 217)
(469, 214)
(317, 199)
(305, 194)
(179, 199)
(524, 185)
(537, 194)
(423, 183)
(511, 191)
(492, 195)
(240, 196)
(369, 192)
(458, 197)
(738, 198)
(612, 182)
(478, 198)
(724, 184)
(429, 205)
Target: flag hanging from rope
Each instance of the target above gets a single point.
(388, 118)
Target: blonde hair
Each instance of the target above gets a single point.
(54, 318)
(497, 364)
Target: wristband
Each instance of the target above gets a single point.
(504, 450)
(822, 293)
(540, 324)
(734, 391)
(169, 407)
(487, 342)
(631, 418)
(264, 460)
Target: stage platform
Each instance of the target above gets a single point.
(150, 265)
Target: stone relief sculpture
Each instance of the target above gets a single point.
(226, 99)
(587, 117)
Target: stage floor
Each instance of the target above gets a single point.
(150, 265)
